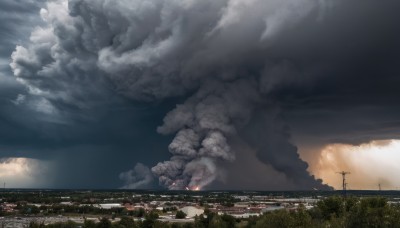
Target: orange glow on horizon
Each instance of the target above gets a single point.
(370, 164)
(194, 188)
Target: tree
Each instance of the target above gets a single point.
(217, 222)
(180, 215)
(68, 224)
(301, 217)
(139, 213)
(198, 221)
(150, 220)
(371, 212)
(229, 220)
(127, 222)
(279, 218)
(36, 225)
(104, 223)
(89, 224)
(332, 206)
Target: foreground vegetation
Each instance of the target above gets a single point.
(331, 212)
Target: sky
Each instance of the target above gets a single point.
(211, 94)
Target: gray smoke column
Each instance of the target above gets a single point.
(203, 124)
(139, 177)
(212, 52)
(269, 136)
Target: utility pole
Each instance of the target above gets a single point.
(379, 185)
(344, 173)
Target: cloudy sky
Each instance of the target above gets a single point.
(211, 94)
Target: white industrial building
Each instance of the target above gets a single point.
(108, 205)
(192, 211)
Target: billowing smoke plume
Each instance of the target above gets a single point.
(203, 124)
(213, 52)
(268, 134)
(139, 177)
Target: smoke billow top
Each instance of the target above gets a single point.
(214, 53)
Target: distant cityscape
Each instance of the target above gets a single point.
(25, 208)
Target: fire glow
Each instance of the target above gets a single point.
(194, 188)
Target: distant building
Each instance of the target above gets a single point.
(129, 207)
(245, 215)
(66, 203)
(241, 198)
(109, 205)
(272, 208)
(192, 211)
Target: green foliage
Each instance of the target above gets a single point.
(279, 218)
(331, 207)
(217, 222)
(139, 213)
(353, 212)
(68, 224)
(372, 212)
(89, 224)
(104, 223)
(302, 218)
(229, 220)
(150, 220)
(284, 218)
(36, 225)
(127, 222)
(180, 215)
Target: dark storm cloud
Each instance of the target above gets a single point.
(108, 41)
(100, 148)
(17, 18)
(14, 15)
(63, 134)
(341, 77)
(249, 71)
